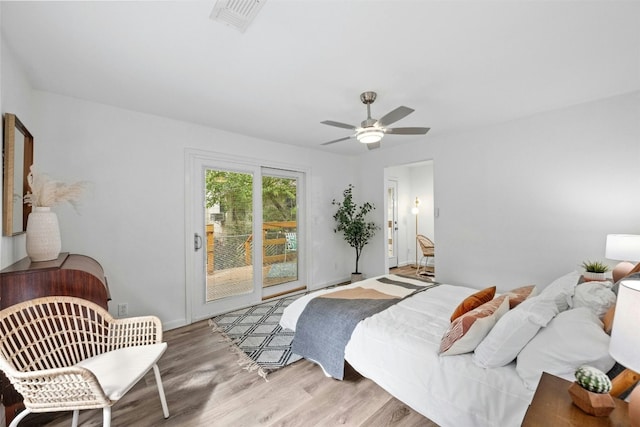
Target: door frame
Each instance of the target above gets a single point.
(192, 159)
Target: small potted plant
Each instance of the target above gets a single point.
(351, 221)
(594, 270)
(590, 391)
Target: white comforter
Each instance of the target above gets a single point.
(398, 349)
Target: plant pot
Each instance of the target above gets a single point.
(593, 277)
(597, 404)
(43, 241)
(356, 277)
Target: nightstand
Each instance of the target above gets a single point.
(552, 406)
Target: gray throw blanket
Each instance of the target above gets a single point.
(325, 326)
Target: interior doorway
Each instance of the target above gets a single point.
(414, 180)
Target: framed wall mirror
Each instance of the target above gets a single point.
(18, 158)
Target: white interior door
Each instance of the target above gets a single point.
(392, 223)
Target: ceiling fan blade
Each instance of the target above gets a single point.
(373, 145)
(407, 131)
(337, 140)
(338, 124)
(394, 116)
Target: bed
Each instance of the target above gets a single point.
(399, 349)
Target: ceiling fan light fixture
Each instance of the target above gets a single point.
(371, 131)
(370, 136)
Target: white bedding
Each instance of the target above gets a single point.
(397, 349)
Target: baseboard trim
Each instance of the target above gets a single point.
(279, 294)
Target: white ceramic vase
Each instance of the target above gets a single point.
(590, 276)
(43, 235)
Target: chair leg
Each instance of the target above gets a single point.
(74, 421)
(19, 417)
(106, 416)
(163, 399)
(426, 264)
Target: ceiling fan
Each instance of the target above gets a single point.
(371, 130)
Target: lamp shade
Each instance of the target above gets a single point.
(623, 247)
(624, 346)
(414, 210)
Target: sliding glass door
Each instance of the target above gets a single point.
(281, 190)
(247, 236)
(228, 219)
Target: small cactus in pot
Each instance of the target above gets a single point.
(590, 391)
(592, 379)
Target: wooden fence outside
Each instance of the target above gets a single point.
(289, 252)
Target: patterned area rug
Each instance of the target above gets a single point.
(257, 337)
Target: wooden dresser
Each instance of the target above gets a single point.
(68, 275)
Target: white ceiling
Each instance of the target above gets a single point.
(458, 64)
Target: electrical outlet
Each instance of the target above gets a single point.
(123, 309)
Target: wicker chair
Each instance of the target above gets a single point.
(428, 250)
(68, 354)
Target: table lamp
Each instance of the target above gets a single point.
(625, 248)
(624, 346)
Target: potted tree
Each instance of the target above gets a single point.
(594, 270)
(351, 221)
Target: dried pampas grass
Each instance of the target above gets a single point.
(45, 192)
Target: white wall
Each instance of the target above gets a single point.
(529, 200)
(16, 99)
(133, 221)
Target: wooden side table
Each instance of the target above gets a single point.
(552, 406)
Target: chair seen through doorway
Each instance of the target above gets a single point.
(428, 251)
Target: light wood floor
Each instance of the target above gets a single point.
(205, 387)
(410, 270)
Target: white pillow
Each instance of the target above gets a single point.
(596, 296)
(468, 330)
(573, 338)
(562, 290)
(513, 331)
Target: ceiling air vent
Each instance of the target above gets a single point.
(237, 13)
